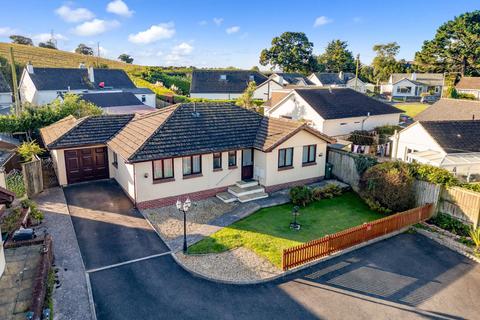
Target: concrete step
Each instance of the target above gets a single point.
(238, 191)
(253, 196)
(226, 197)
(246, 183)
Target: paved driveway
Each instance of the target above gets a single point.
(108, 228)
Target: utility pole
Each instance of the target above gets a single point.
(98, 54)
(356, 72)
(15, 84)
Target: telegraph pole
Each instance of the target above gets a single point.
(356, 72)
(15, 84)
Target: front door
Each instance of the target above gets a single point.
(247, 164)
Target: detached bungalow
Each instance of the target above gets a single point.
(291, 79)
(412, 85)
(338, 80)
(5, 95)
(195, 150)
(225, 84)
(334, 111)
(469, 85)
(451, 109)
(453, 145)
(39, 86)
(117, 102)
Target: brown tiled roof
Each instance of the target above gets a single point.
(469, 83)
(450, 109)
(137, 131)
(54, 131)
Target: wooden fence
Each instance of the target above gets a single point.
(343, 167)
(312, 250)
(33, 177)
(461, 203)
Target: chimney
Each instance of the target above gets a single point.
(414, 76)
(82, 65)
(91, 76)
(340, 75)
(29, 67)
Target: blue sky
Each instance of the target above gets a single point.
(215, 33)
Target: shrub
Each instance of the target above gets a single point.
(362, 163)
(15, 183)
(451, 224)
(471, 186)
(389, 186)
(432, 174)
(29, 150)
(327, 192)
(11, 221)
(376, 206)
(475, 235)
(361, 137)
(466, 96)
(301, 196)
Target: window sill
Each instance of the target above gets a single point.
(233, 167)
(163, 180)
(115, 164)
(285, 168)
(308, 164)
(217, 169)
(191, 176)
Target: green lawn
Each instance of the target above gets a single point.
(412, 109)
(267, 232)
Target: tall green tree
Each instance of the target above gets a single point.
(246, 99)
(49, 44)
(455, 47)
(337, 57)
(292, 52)
(385, 62)
(125, 58)
(18, 39)
(84, 49)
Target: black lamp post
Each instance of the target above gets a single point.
(294, 225)
(183, 207)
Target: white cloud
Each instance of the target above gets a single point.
(74, 15)
(6, 31)
(119, 7)
(42, 37)
(95, 27)
(321, 21)
(179, 52)
(154, 33)
(233, 29)
(218, 21)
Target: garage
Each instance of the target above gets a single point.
(86, 164)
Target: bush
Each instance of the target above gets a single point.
(466, 96)
(361, 137)
(15, 183)
(475, 235)
(388, 186)
(11, 221)
(432, 174)
(376, 206)
(301, 196)
(451, 224)
(327, 192)
(471, 186)
(29, 151)
(362, 163)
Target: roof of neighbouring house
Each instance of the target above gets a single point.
(70, 132)
(187, 129)
(430, 79)
(469, 83)
(339, 103)
(112, 99)
(450, 109)
(330, 78)
(294, 78)
(209, 81)
(455, 136)
(4, 86)
(77, 79)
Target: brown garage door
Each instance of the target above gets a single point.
(86, 164)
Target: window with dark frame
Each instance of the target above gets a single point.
(309, 153)
(115, 160)
(232, 158)
(285, 157)
(163, 169)
(192, 165)
(217, 160)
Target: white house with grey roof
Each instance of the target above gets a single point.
(338, 80)
(40, 86)
(5, 95)
(412, 85)
(334, 111)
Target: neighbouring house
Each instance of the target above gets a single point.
(334, 111)
(117, 102)
(453, 145)
(195, 150)
(264, 90)
(5, 95)
(450, 109)
(291, 79)
(469, 85)
(225, 84)
(40, 86)
(412, 85)
(9, 158)
(338, 80)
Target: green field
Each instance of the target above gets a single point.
(412, 109)
(267, 232)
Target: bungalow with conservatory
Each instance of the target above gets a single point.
(333, 111)
(195, 150)
(412, 85)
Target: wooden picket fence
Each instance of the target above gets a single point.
(312, 250)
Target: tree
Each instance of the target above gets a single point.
(84, 49)
(18, 39)
(125, 58)
(48, 44)
(366, 74)
(292, 52)
(255, 68)
(385, 63)
(246, 99)
(455, 47)
(337, 57)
